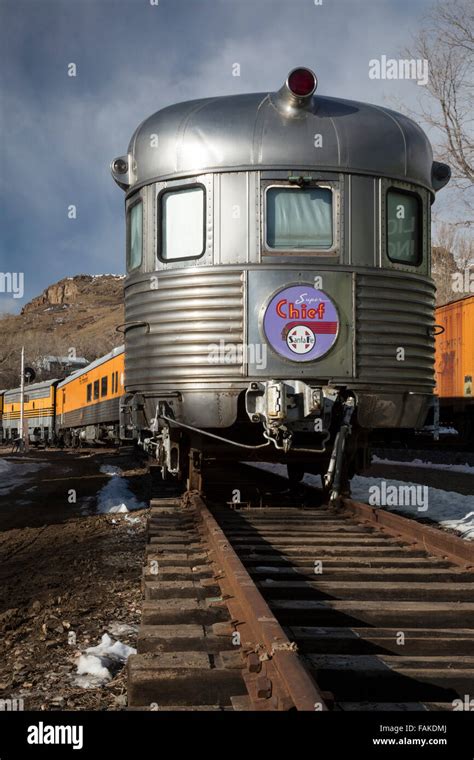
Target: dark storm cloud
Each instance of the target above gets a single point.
(59, 133)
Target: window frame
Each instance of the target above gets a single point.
(94, 396)
(420, 232)
(160, 217)
(136, 202)
(88, 393)
(323, 184)
(104, 384)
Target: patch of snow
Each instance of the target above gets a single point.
(464, 526)
(12, 474)
(98, 664)
(448, 431)
(89, 664)
(118, 509)
(116, 497)
(427, 465)
(109, 469)
(115, 651)
(132, 520)
(448, 508)
(122, 629)
(117, 276)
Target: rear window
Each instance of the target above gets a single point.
(404, 227)
(299, 218)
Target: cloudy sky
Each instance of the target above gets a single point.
(59, 133)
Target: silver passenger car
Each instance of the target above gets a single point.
(278, 291)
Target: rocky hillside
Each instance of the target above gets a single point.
(79, 312)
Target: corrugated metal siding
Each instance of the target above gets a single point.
(13, 423)
(392, 312)
(202, 308)
(101, 411)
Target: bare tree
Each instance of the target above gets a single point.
(445, 105)
(452, 258)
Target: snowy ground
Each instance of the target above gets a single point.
(116, 496)
(99, 664)
(467, 468)
(13, 473)
(448, 508)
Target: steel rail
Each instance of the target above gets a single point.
(435, 540)
(301, 687)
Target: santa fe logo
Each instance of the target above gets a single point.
(301, 323)
(300, 339)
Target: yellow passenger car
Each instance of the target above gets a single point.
(38, 412)
(87, 404)
(2, 434)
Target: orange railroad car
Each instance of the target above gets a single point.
(88, 401)
(455, 364)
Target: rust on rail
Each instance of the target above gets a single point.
(433, 540)
(300, 686)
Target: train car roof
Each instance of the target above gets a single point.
(467, 297)
(255, 132)
(35, 388)
(96, 363)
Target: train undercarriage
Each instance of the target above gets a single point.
(310, 430)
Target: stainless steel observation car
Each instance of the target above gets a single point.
(279, 304)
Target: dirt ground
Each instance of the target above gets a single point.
(65, 570)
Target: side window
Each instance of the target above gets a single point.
(103, 386)
(134, 235)
(96, 389)
(182, 224)
(404, 241)
(89, 392)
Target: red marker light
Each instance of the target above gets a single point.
(302, 82)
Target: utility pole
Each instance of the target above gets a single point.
(22, 391)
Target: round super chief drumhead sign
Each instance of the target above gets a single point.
(301, 323)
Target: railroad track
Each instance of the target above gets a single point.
(265, 604)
